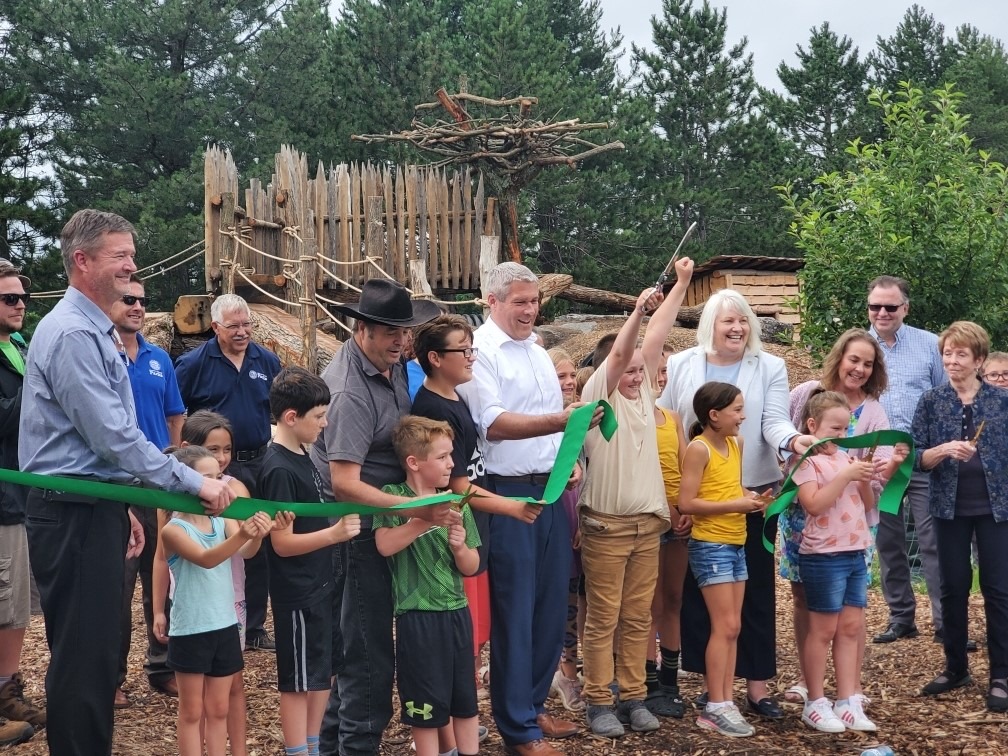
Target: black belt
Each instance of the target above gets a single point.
(247, 455)
(529, 479)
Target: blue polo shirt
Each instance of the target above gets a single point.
(209, 380)
(155, 391)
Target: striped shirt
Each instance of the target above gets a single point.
(913, 365)
(424, 576)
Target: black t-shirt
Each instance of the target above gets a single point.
(295, 581)
(466, 454)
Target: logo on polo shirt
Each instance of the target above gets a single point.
(155, 368)
(253, 374)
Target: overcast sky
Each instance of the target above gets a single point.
(775, 27)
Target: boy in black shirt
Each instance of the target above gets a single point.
(301, 559)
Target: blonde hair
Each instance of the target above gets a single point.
(727, 299)
(966, 333)
(559, 356)
(414, 435)
(581, 378)
(819, 404)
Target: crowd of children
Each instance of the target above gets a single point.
(651, 502)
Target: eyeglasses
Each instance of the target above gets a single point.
(467, 352)
(12, 299)
(887, 308)
(999, 375)
(245, 325)
(129, 300)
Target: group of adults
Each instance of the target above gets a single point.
(79, 417)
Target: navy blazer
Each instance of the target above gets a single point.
(938, 419)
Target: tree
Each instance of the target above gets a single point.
(298, 97)
(132, 92)
(918, 52)
(818, 111)
(702, 94)
(922, 204)
(981, 73)
(389, 56)
(25, 189)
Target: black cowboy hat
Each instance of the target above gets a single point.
(387, 302)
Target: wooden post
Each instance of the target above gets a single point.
(489, 251)
(228, 245)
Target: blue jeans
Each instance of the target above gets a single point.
(360, 703)
(716, 563)
(833, 581)
(529, 570)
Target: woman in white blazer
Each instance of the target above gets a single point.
(729, 349)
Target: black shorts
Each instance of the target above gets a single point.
(434, 667)
(304, 639)
(215, 653)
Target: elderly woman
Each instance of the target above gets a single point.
(969, 499)
(855, 368)
(730, 351)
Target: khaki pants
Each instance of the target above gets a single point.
(620, 558)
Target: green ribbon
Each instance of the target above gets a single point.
(892, 493)
(242, 508)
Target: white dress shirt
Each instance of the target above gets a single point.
(512, 376)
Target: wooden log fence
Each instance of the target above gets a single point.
(354, 221)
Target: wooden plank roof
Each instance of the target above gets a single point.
(749, 262)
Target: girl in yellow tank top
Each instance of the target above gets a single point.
(711, 491)
(663, 697)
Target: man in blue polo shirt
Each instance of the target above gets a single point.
(232, 375)
(160, 414)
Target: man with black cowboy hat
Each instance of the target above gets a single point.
(355, 458)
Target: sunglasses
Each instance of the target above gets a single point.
(129, 300)
(887, 308)
(12, 299)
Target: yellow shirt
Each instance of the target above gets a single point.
(668, 456)
(722, 481)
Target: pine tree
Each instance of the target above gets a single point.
(710, 164)
(822, 96)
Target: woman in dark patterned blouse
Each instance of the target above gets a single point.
(969, 498)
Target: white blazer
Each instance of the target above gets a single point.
(767, 427)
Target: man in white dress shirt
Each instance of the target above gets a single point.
(517, 406)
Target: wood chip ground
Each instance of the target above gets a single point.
(956, 723)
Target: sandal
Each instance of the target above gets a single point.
(796, 694)
(665, 701)
(998, 703)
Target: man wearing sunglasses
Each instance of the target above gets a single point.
(18, 717)
(160, 414)
(914, 365)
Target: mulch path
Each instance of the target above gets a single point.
(894, 673)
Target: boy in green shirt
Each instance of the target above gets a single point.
(433, 624)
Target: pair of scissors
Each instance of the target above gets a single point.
(671, 263)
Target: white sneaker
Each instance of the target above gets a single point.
(819, 715)
(853, 716)
(862, 699)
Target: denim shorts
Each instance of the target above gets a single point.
(714, 563)
(833, 581)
